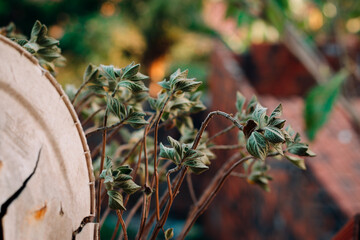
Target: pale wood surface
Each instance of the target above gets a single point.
(36, 114)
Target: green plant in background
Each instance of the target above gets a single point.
(298, 31)
(116, 102)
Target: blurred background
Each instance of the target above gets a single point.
(288, 51)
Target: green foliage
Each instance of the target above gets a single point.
(40, 45)
(319, 103)
(115, 180)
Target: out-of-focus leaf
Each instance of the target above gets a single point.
(319, 103)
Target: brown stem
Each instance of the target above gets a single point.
(225, 147)
(98, 208)
(207, 120)
(220, 133)
(85, 101)
(191, 188)
(96, 150)
(155, 157)
(115, 125)
(210, 192)
(79, 90)
(131, 215)
(123, 226)
(85, 121)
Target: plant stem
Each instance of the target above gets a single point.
(220, 133)
(85, 121)
(155, 157)
(79, 90)
(225, 147)
(123, 226)
(204, 124)
(191, 188)
(118, 124)
(98, 209)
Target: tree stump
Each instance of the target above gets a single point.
(46, 177)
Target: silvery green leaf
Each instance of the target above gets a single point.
(310, 153)
(120, 177)
(47, 42)
(108, 72)
(139, 77)
(276, 122)
(108, 163)
(48, 54)
(257, 145)
(240, 101)
(130, 70)
(134, 87)
(90, 73)
(278, 148)
(299, 162)
(197, 166)
(169, 233)
(124, 169)
(192, 154)
(274, 135)
(299, 149)
(36, 29)
(252, 104)
(165, 84)
(188, 85)
(277, 112)
(168, 153)
(259, 115)
(21, 42)
(177, 146)
(115, 200)
(129, 186)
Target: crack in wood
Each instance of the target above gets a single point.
(13, 197)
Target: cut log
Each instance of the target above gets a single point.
(46, 177)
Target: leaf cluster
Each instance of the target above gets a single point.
(265, 134)
(40, 45)
(116, 179)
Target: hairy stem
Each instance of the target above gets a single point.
(191, 188)
(98, 207)
(205, 123)
(220, 133)
(156, 129)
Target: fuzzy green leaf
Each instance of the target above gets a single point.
(274, 135)
(129, 186)
(177, 146)
(257, 145)
(240, 101)
(278, 123)
(197, 166)
(108, 72)
(116, 200)
(130, 70)
(299, 149)
(259, 115)
(36, 29)
(168, 153)
(277, 112)
(299, 162)
(134, 87)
